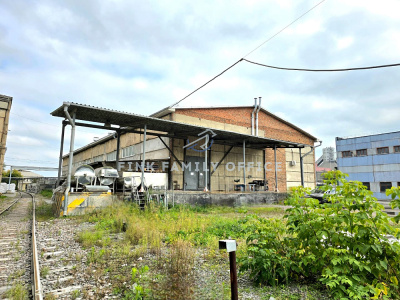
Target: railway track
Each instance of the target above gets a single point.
(38, 260)
(15, 247)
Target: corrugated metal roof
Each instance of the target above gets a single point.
(173, 129)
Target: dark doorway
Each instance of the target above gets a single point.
(194, 174)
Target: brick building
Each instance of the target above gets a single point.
(235, 119)
(5, 107)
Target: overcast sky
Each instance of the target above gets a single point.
(141, 56)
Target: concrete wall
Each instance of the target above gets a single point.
(293, 171)
(237, 199)
(81, 203)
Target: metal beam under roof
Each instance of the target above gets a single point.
(131, 122)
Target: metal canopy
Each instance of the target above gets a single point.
(129, 122)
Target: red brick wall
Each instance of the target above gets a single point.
(273, 128)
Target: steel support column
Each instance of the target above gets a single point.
(118, 150)
(205, 166)
(183, 169)
(301, 169)
(9, 180)
(144, 155)
(61, 154)
(276, 171)
(264, 171)
(244, 164)
(70, 157)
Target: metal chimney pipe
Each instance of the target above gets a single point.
(258, 109)
(252, 116)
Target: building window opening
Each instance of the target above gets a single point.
(385, 186)
(347, 154)
(383, 150)
(397, 149)
(361, 152)
(367, 185)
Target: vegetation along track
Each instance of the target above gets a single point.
(15, 247)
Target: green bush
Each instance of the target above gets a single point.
(343, 243)
(269, 257)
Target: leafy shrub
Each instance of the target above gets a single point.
(269, 255)
(343, 244)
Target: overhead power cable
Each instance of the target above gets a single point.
(291, 23)
(176, 103)
(322, 70)
(263, 43)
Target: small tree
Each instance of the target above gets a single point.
(345, 244)
(14, 173)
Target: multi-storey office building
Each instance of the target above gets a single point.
(374, 160)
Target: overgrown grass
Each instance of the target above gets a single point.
(44, 211)
(17, 292)
(46, 193)
(3, 198)
(169, 242)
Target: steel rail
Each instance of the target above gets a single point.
(4, 210)
(36, 286)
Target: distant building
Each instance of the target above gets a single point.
(28, 177)
(374, 160)
(326, 163)
(5, 107)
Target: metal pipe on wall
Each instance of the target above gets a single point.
(70, 157)
(252, 116)
(258, 109)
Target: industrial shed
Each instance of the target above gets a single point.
(242, 134)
